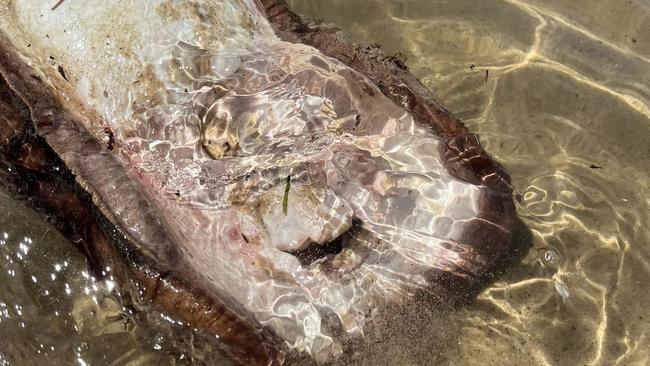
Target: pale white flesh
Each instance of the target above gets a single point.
(158, 73)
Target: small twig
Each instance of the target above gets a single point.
(57, 4)
(285, 199)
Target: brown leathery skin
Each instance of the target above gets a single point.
(33, 171)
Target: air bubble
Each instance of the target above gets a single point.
(551, 257)
(81, 348)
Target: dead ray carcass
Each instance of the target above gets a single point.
(262, 176)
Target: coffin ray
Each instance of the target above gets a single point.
(150, 168)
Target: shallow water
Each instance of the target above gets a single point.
(54, 312)
(565, 107)
(560, 93)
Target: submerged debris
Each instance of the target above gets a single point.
(62, 72)
(111, 137)
(399, 59)
(57, 4)
(285, 199)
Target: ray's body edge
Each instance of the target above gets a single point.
(461, 151)
(29, 156)
(32, 169)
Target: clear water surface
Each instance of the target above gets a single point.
(559, 92)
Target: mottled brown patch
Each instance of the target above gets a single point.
(167, 11)
(279, 276)
(240, 192)
(151, 89)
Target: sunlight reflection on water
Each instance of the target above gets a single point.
(565, 107)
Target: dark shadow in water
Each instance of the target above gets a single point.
(421, 331)
(522, 241)
(315, 252)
